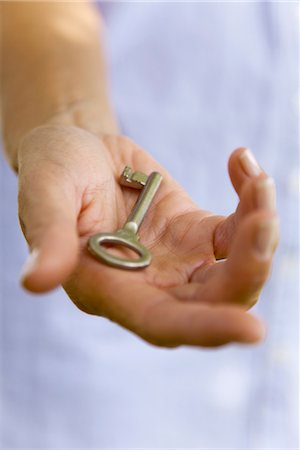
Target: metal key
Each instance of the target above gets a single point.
(128, 235)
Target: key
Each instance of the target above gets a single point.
(128, 235)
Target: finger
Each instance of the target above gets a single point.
(155, 314)
(255, 194)
(250, 258)
(47, 214)
(242, 165)
(158, 317)
(168, 323)
(241, 277)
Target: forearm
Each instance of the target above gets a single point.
(52, 70)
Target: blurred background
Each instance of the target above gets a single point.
(190, 82)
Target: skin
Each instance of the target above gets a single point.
(186, 296)
(62, 139)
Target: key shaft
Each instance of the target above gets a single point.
(143, 203)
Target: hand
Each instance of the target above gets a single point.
(207, 270)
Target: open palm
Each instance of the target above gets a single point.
(206, 271)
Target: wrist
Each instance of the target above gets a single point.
(97, 117)
(91, 116)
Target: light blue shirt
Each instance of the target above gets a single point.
(190, 82)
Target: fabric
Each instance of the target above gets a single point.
(190, 82)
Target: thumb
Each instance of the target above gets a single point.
(48, 217)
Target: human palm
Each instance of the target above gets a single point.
(206, 271)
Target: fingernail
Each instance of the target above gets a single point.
(249, 163)
(266, 194)
(29, 265)
(265, 238)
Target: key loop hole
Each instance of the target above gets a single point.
(100, 252)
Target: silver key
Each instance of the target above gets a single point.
(128, 235)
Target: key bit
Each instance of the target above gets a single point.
(132, 179)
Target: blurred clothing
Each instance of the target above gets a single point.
(190, 82)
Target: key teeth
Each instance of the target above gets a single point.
(132, 179)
